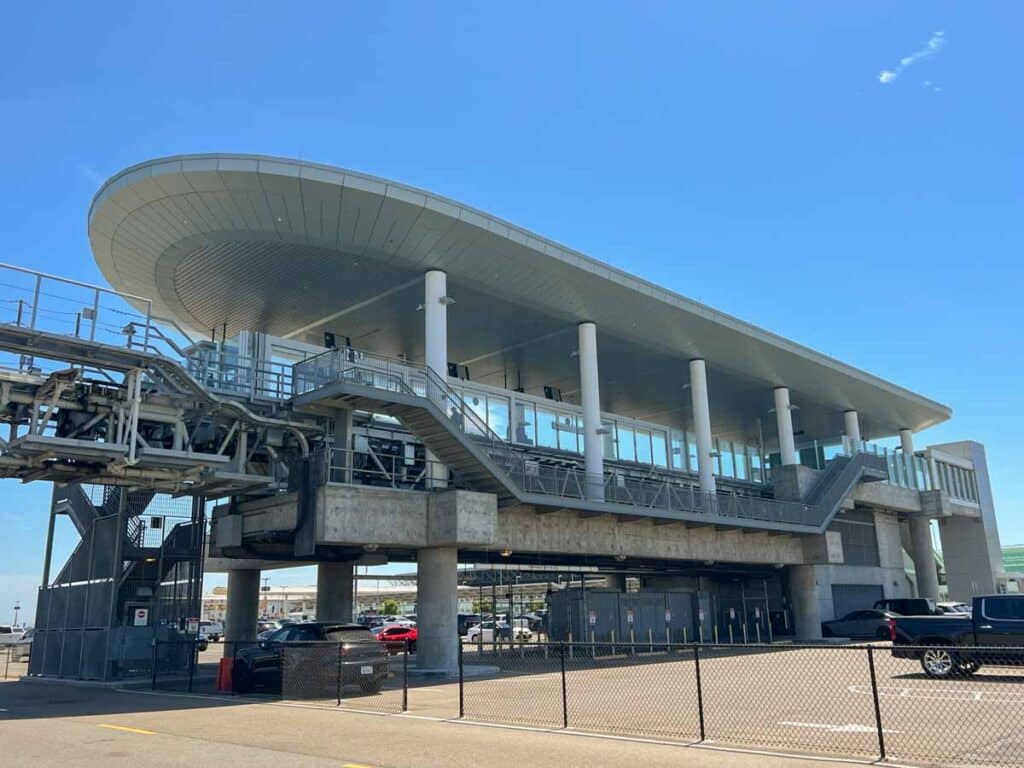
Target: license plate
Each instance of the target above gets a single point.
(366, 670)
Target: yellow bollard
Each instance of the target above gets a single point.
(714, 634)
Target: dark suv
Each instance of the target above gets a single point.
(312, 652)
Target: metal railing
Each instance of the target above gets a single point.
(849, 701)
(385, 470)
(531, 473)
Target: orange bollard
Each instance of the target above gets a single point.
(224, 675)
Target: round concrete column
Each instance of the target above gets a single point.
(241, 612)
(702, 424)
(784, 422)
(924, 558)
(334, 592)
(437, 603)
(590, 397)
(852, 427)
(907, 441)
(803, 593)
(435, 342)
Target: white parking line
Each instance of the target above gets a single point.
(834, 728)
(940, 694)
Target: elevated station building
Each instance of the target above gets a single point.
(361, 372)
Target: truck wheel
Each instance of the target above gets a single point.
(939, 662)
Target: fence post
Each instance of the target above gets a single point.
(193, 653)
(878, 709)
(462, 680)
(337, 689)
(565, 699)
(700, 690)
(405, 678)
(155, 644)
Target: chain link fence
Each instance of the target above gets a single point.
(835, 701)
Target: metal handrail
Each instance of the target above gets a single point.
(525, 471)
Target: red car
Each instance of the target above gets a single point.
(395, 639)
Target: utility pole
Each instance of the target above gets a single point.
(17, 607)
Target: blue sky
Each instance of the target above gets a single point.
(750, 157)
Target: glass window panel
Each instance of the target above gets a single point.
(643, 446)
(725, 463)
(608, 439)
(547, 436)
(659, 448)
(569, 438)
(627, 448)
(740, 454)
(691, 451)
(678, 451)
(497, 415)
(526, 421)
(477, 404)
(756, 474)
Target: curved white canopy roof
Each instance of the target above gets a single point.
(296, 248)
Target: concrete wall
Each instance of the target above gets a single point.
(522, 530)
(357, 515)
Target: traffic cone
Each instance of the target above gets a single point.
(224, 675)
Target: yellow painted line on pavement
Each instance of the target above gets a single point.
(125, 728)
(354, 765)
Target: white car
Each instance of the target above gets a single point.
(10, 634)
(398, 621)
(214, 630)
(484, 632)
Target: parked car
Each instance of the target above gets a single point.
(909, 606)
(485, 632)
(363, 661)
(395, 639)
(869, 624)
(398, 621)
(467, 620)
(10, 634)
(957, 644)
(214, 630)
(202, 642)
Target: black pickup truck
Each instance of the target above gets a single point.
(960, 645)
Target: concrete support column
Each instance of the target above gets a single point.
(242, 609)
(702, 424)
(437, 603)
(334, 592)
(435, 342)
(590, 397)
(784, 421)
(803, 592)
(907, 441)
(924, 558)
(852, 426)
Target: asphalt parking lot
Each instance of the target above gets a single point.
(813, 701)
(59, 725)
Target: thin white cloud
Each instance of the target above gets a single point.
(90, 174)
(931, 48)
